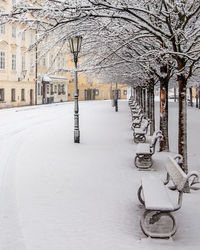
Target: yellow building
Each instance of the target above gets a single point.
(95, 91)
(92, 89)
(22, 79)
(17, 83)
(36, 77)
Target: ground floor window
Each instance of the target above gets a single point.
(63, 89)
(47, 88)
(13, 95)
(1, 95)
(23, 94)
(96, 92)
(39, 89)
(55, 89)
(51, 86)
(59, 89)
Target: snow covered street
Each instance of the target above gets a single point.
(58, 195)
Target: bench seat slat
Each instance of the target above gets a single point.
(155, 194)
(143, 148)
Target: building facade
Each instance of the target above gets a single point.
(34, 77)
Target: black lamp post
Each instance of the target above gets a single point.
(75, 47)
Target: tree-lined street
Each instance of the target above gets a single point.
(63, 193)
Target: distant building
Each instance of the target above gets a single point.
(26, 78)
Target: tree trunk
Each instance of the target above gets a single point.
(153, 110)
(182, 133)
(144, 101)
(164, 144)
(148, 103)
(141, 98)
(199, 97)
(175, 97)
(137, 95)
(191, 102)
(151, 107)
(197, 101)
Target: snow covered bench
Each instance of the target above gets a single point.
(135, 109)
(137, 122)
(139, 134)
(131, 101)
(144, 152)
(157, 220)
(136, 115)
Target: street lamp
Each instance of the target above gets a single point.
(75, 47)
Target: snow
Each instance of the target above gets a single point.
(155, 194)
(57, 195)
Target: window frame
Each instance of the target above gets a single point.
(2, 60)
(22, 94)
(2, 95)
(13, 95)
(14, 62)
(14, 31)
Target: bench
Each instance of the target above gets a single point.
(139, 134)
(144, 152)
(135, 109)
(157, 220)
(137, 122)
(136, 115)
(131, 102)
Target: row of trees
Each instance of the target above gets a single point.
(140, 43)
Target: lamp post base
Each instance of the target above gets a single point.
(76, 136)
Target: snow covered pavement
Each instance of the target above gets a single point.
(57, 195)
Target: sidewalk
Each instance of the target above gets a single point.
(57, 195)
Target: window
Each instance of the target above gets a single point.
(2, 60)
(63, 63)
(31, 64)
(96, 92)
(13, 62)
(125, 92)
(23, 36)
(58, 62)
(2, 29)
(59, 90)
(14, 31)
(55, 89)
(44, 61)
(39, 89)
(51, 89)
(13, 95)
(1, 95)
(47, 88)
(51, 60)
(23, 63)
(22, 94)
(63, 89)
